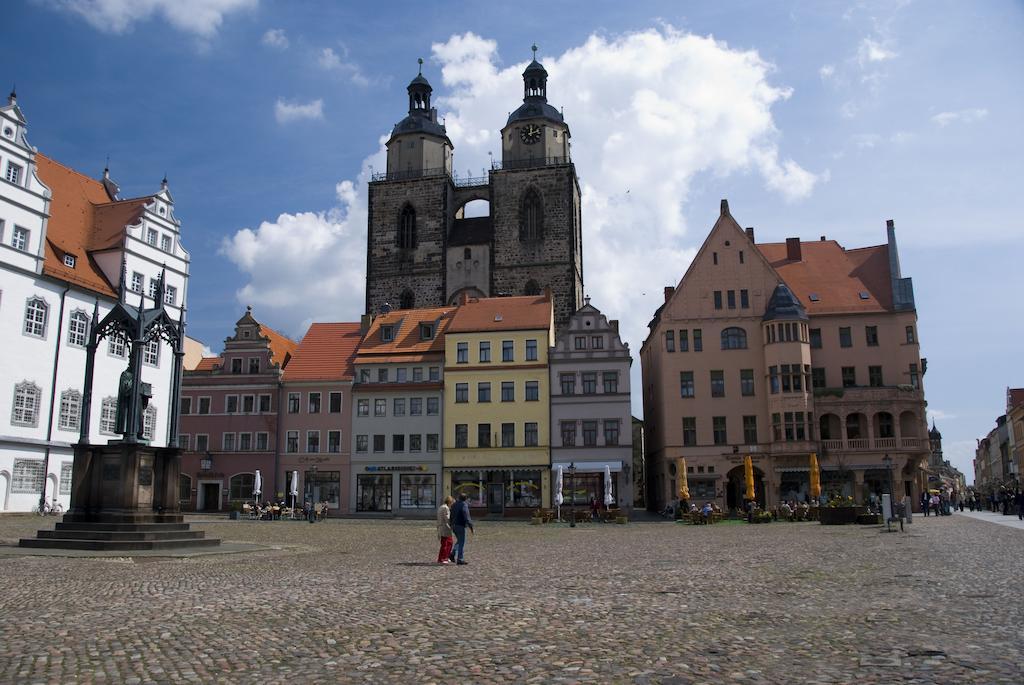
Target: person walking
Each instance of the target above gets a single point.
(1020, 505)
(461, 520)
(924, 502)
(444, 530)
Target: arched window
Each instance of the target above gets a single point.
(70, 410)
(886, 426)
(149, 422)
(531, 288)
(240, 486)
(35, 317)
(407, 300)
(78, 329)
(531, 225)
(407, 228)
(734, 338)
(108, 416)
(467, 254)
(26, 404)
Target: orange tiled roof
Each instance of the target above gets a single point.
(837, 276)
(325, 353)
(282, 348)
(407, 333)
(530, 312)
(83, 219)
(207, 364)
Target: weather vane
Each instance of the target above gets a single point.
(420, 61)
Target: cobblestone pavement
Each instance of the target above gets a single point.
(357, 601)
(1010, 520)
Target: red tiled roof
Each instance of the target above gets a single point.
(407, 339)
(282, 348)
(530, 312)
(207, 364)
(835, 275)
(82, 220)
(325, 353)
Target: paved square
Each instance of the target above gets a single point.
(356, 601)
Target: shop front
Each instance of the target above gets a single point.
(588, 483)
(322, 478)
(397, 489)
(513, 492)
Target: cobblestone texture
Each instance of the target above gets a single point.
(357, 601)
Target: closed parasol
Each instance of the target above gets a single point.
(608, 499)
(815, 476)
(257, 485)
(748, 474)
(558, 487)
(684, 485)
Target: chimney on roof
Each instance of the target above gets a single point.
(669, 289)
(725, 207)
(547, 293)
(614, 323)
(822, 238)
(364, 323)
(465, 298)
(750, 233)
(793, 249)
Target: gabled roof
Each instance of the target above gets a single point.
(525, 313)
(407, 341)
(82, 219)
(207, 364)
(325, 353)
(836, 276)
(282, 348)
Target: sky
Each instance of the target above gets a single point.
(812, 118)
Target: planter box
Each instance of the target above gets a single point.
(840, 516)
(235, 515)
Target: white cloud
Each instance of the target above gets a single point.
(963, 116)
(867, 140)
(329, 60)
(275, 38)
(649, 112)
(827, 72)
(201, 18)
(286, 112)
(871, 50)
(939, 415)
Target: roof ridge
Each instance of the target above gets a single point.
(65, 166)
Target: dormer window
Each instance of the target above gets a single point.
(426, 331)
(864, 295)
(387, 333)
(162, 210)
(813, 297)
(69, 261)
(246, 334)
(8, 132)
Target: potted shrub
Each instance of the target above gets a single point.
(841, 510)
(236, 511)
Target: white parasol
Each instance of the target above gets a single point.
(608, 500)
(295, 490)
(558, 493)
(257, 485)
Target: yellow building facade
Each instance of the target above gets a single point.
(497, 406)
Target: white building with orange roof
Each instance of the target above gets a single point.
(65, 240)
(397, 421)
(778, 350)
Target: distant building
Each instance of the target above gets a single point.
(65, 240)
(942, 474)
(779, 350)
(229, 418)
(591, 424)
(1015, 426)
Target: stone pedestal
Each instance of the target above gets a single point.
(124, 496)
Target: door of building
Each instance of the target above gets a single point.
(211, 497)
(496, 498)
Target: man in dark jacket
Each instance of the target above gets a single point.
(461, 520)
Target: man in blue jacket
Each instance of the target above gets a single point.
(461, 520)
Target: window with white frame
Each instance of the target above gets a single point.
(165, 243)
(116, 345)
(152, 288)
(1, 230)
(27, 476)
(70, 410)
(136, 282)
(312, 442)
(78, 328)
(65, 477)
(19, 238)
(26, 404)
(35, 317)
(171, 295)
(108, 415)
(69, 261)
(262, 441)
(149, 422)
(184, 441)
(244, 442)
(151, 236)
(228, 442)
(151, 353)
(231, 404)
(202, 442)
(13, 172)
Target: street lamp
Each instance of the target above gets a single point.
(572, 488)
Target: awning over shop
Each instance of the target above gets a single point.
(588, 466)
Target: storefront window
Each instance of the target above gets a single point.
(524, 490)
(326, 487)
(417, 492)
(473, 484)
(586, 486)
(701, 490)
(373, 493)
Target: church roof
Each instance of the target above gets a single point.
(417, 123)
(535, 109)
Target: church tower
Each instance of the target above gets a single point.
(535, 207)
(408, 211)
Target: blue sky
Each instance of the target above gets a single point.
(812, 118)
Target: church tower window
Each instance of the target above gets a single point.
(407, 300)
(407, 228)
(531, 288)
(532, 219)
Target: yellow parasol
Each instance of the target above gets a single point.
(815, 476)
(748, 472)
(684, 486)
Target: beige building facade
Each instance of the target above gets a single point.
(778, 350)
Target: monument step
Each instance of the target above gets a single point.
(115, 545)
(130, 527)
(117, 535)
(138, 518)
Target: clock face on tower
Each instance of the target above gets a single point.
(530, 133)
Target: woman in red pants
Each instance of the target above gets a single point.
(444, 530)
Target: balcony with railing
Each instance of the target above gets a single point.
(876, 444)
(529, 163)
